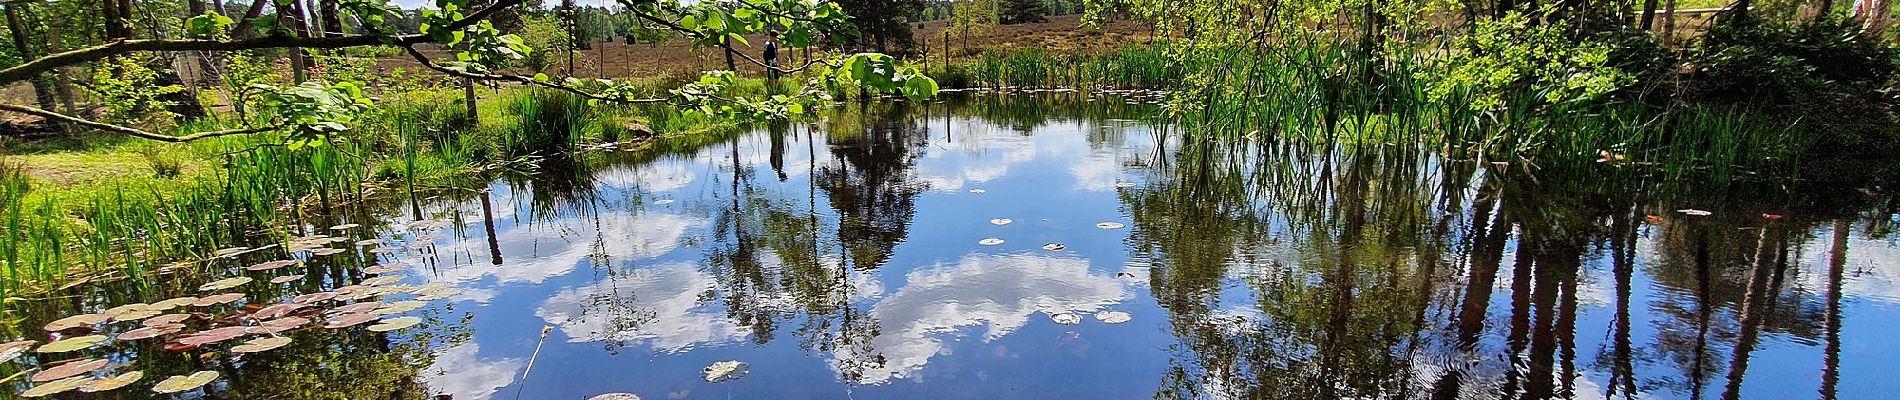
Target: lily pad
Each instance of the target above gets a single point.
(381, 269)
(1113, 317)
(347, 320)
(68, 370)
(399, 307)
(344, 227)
(394, 324)
(327, 251)
(381, 280)
(270, 265)
(167, 319)
(225, 283)
(978, 191)
(313, 298)
(990, 242)
(172, 303)
(356, 308)
(615, 396)
(1124, 185)
(12, 350)
(1000, 221)
(369, 242)
(76, 321)
(724, 371)
(662, 202)
(180, 383)
(149, 332)
(1052, 246)
(261, 344)
(57, 387)
(286, 322)
(114, 382)
(1065, 318)
(438, 294)
(115, 311)
(217, 299)
(1110, 225)
(286, 279)
(230, 250)
(72, 343)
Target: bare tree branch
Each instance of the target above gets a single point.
(127, 130)
(676, 27)
(426, 62)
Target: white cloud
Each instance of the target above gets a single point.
(1001, 291)
(457, 372)
(660, 305)
(532, 253)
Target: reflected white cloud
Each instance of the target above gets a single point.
(457, 372)
(534, 252)
(660, 305)
(651, 178)
(1001, 291)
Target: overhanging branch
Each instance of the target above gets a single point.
(49, 115)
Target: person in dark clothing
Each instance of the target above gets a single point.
(771, 55)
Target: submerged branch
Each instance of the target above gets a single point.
(53, 116)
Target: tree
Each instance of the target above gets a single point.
(311, 113)
(973, 15)
(882, 21)
(1022, 11)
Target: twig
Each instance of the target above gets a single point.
(531, 357)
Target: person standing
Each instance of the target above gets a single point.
(771, 55)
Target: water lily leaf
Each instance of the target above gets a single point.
(180, 383)
(114, 382)
(369, 242)
(149, 332)
(1695, 212)
(1000, 221)
(217, 299)
(68, 370)
(12, 350)
(327, 251)
(211, 336)
(57, 387)
(356, 308)
(167, 319)
(1110, 225)
(724, 371)
(347, 320)
(381, 280)
(261, 344)
(1052, 246)
(438, 294)
(394, 324)
(615, 396)
(381, 269)
(135, 315)
(286, 279)
(286, 322)
(399, 307)
(1124, 185)
(978, 191)
(344, 227)
(313, 298)
(662, 202)
(76, 321)
(115, 311)
(72, 343)
(168, 304)
(225, 283)
(385, 250)
(230, 250)
(1065, 318)
(270, 265)
(990, 242)
(1113, 317)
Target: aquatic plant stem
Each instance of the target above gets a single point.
(531, 357)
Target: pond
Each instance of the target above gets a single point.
(1054, 246)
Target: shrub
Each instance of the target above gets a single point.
(1784, 63)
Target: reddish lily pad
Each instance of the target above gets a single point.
(286, 279)
(167, 319)
(150, 332)
(347, 320)
(312, 298)
(11, 350)
(172, 303)
(213, 300)
(68, 370)
(357, 308)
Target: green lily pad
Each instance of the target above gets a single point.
(286, 279)
(12, 350)
(261, 344)
(1110, 225)
(394, 324)
(225, 283)
(180, 383)
(270, 265)
(217, 299)
(57, 387)
(724, 371)
(344, 227)
(172, 303)
(1000, 221)
(134, 307)
(615, 396)
(76, 321)
(382, 269)
(347, 320)
(381, 280)
(167, 319)
(990, 242)
(135, 315)
(399, 307)
(114, 382)
(72, 343)
(1113, 317)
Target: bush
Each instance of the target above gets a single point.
(1783, 63)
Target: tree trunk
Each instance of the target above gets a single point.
(468, 99)
(292, 18)
(55, 43)
(1649, 15)
(196, 8)
(115, 27)
(729, 65)
(218, 5)
(242, 28)
(42, 84)
(1669, 22)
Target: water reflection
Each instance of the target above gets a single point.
(840, 258)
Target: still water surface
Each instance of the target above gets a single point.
(845, 259)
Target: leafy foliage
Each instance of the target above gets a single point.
(1755, 58)
(1513, 54)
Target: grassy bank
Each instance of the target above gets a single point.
(87, 207)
